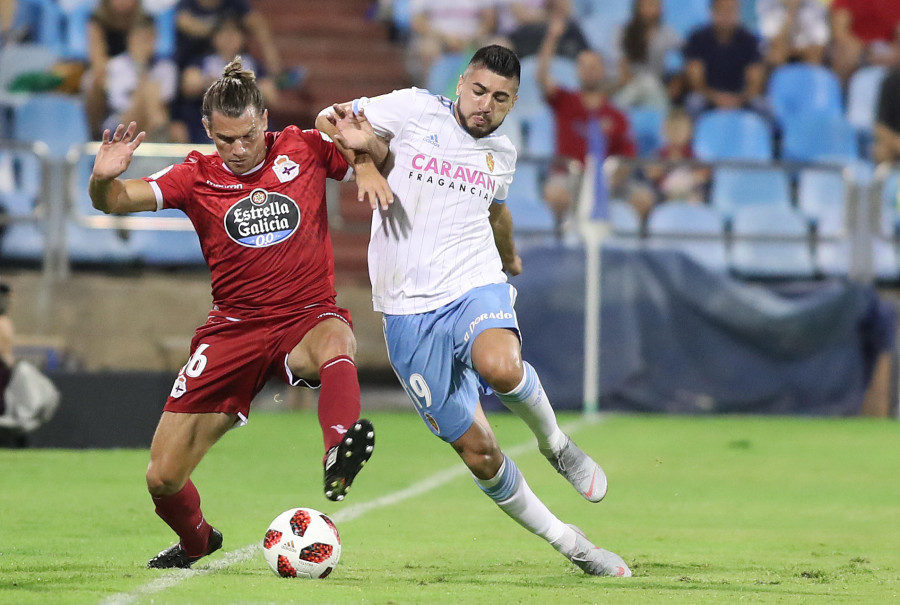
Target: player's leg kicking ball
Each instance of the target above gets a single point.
(345, 460)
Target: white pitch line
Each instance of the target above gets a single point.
(245, 553)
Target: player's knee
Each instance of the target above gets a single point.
(483, 461)
(502, 373)
(162, 484)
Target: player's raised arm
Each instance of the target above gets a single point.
(502, 226)
(110, 194)
(364, 150)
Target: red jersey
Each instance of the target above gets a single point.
(871, 19)
(264, 234)
(572, 125)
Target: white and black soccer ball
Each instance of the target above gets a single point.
(302, 543)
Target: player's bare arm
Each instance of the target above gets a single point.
(110, 194)
(502, 226)
(363, 149)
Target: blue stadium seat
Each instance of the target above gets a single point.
(787, 255)
(799, 88)
(820, 192)
(23, 242)
(733, 188)
(540, 133)
(601, 26)
(75, 17)
(14, 203)
(862, 97)
(444, 74)
(96, 246)
(646, 125)
(732, 135)
(526, 204)
(57, 120)
(16, 59)
(166, 248)
(694, 229)
(817, 136)
(42, 18)
(165, 33)
(685, 15)
(530, 98)
(624, 218)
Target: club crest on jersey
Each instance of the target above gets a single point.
(285, 168)
(489, 158)
(262, 219)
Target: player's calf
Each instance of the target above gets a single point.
(344, 460)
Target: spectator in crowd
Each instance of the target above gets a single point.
(440, 27)
(862, 32)
(7, 438)
(645, 42)
(886, 146)
(793, 30)
(7, 19)
(574, 110)
(107, 34)
(724, 64)
(524, 23)
(139, 87)
(195, 22)
(229, 40)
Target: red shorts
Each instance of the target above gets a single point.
(232, 358)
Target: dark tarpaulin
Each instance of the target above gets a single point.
(678, 338)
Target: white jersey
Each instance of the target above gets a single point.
(435, 242)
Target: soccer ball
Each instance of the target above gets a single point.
(302, 543)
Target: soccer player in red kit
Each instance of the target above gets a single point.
(258, 206)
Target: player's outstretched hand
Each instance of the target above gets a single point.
(115, 153)
(354, 130)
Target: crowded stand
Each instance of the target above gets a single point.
(752, 134)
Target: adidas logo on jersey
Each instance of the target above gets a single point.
(433, 139)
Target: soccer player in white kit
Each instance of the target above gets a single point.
(437, 256)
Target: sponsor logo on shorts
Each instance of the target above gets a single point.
(474, 323)
(179, 388)
(262, 219)
(433, 423)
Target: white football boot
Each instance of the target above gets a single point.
(596, 561)
(579, 469)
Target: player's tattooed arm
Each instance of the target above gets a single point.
(502, 226)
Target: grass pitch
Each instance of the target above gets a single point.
(706, 510)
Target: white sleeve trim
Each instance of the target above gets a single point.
(158, 193)
(349, 176)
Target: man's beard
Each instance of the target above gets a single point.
(465, 125)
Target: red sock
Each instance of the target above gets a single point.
(338, 398)
(182, 513)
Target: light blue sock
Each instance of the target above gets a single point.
(529, 402)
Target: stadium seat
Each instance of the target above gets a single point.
(685, 15)
(624, 218)
(96, 246)
(166, 248)
(694, 229)
(862, 97)
(815, 136)
(525, 202)
(530, 100)
(42, 18)
(732, 135)
(540, 134)
(165, 33)
(17, 59)
(444, 73)
(646, 125)
(733, 188)
(75, 17)
(820, 192)
(22, 242)
(57, 120)
(601, 30)
(16, 204)
(799, 88)
(786, 255)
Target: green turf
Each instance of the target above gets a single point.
(707, 510)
